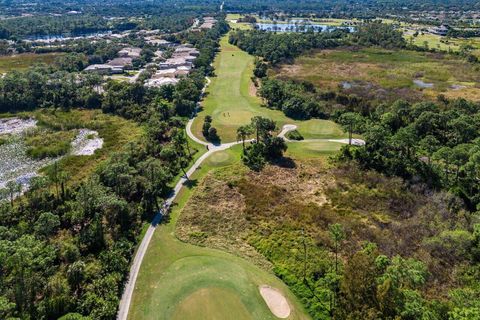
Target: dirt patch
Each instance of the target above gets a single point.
(276, 302)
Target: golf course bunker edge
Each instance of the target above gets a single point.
(276, 301)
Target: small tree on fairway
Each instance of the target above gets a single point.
(263, 127)
(207, 123)
(351, 122)
(212, 135)
(243, 132)
(266, 147)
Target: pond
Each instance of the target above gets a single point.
(63, 37)
(298, 27)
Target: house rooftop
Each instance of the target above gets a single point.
(132, 52)
(158, 82)
(125, 61)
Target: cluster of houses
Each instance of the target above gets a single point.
(168, 70)
(177, 66)
(117, 65)
(208, 23)
(441, 30)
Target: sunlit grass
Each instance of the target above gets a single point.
(24, 61)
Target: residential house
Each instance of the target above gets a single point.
(130, 52)
(174, 63)
(104, 69)
(158, 82)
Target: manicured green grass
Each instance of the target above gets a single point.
(237, 25)
(24, 61)
(212, 303)
(443, 43)
(386, 74)
(320, 129)
(182, 281)
(231, 99)
(315, 149)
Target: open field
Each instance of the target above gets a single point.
(383, 74)
(24, 61)
(183, 281)
(232, 102)
(443, 43)
(237, 25)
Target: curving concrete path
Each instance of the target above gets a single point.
(142, 249)
(289, 127)
(124, 305)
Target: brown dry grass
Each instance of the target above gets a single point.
(384, 75)
(232, 209)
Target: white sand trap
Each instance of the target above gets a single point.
(276, 302)
(86, 142)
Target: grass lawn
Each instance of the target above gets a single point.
(232, 102)
(443, 43)
(316, 149)
(237, 25)
(386, 75)
(183, 281)
(25, 60)
(320, 129)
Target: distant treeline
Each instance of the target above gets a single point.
(328, 8)
(74, 25)
(275, 48)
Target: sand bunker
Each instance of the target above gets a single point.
(276, 302)
(86, 142)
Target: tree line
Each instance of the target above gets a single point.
(437, 143)
(65, 248)
(276, 48)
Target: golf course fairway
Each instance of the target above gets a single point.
(182, 281)
(231, 100)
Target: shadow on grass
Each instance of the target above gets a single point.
(190, 183)
(285, 162)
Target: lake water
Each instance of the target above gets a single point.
(298, 27)
(63, 37)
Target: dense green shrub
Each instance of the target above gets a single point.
(294, 135)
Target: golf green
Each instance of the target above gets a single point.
(231, 100)
(182, 281)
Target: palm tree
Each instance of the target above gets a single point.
(243, 132)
